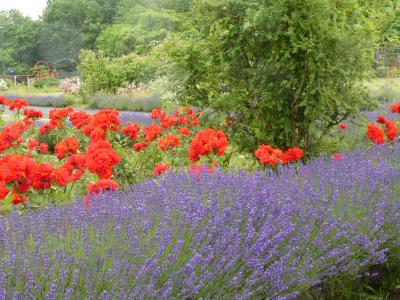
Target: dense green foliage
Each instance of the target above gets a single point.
(284, 71)
(100, 73)
(279, 72)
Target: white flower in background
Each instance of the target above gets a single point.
(3, 85)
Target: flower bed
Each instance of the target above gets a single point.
(221, 235)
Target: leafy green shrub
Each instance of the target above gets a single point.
(99, 73)
(46, 82)
(283, 71)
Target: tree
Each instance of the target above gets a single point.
(282, 72)
(20, 36)
(116, 40)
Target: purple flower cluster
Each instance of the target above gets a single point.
(222, 236)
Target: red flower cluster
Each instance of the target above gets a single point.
(151, 132)
(140, 146)
(100, 159)
(132, 130)
(395, 108)
(267, 155)
(381, 120)
(72, 170)
(342, 126)
(101, 186)
(22, 172)
(17, 104)
(103, 120)
(337, 156)
(291, 155)
(391, 130)
(32, 113)
(159, 169)
(66, 146)
(79, 119)
(197, 170)
(4, 101)
(207, 141)
(170, 141)
(376, 134)
(184, 131)
(11, 134)
(34, 143)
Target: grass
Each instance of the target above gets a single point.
(387, 89)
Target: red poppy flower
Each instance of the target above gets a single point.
(32, 144)
(168, 142)
(375, 134)
(132, 130)
(140, 146)
(151, 132)
(381, 120)
(33, 113)
(391, 130)
(66, 146)
(337, 156)
(159, 169)
(184, 131)
(44, 148)
(395, 108)
(267, 155)
(101, 186)
(292, 154)
(207, 141)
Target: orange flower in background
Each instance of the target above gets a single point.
(207, 141)
(292, 154)
(66, 146)
(381, 120)
(170, 141)
(395, 108)
(151, 132)
(132, 130)
(375, 134)
(159, 169)
(267, 155)
(391, 130)
(342, 126)
(140, 146)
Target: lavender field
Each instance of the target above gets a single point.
(221, 236)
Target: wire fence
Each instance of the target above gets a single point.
(387, 61)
